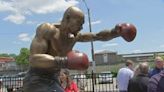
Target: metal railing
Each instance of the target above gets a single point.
(12, 84)
(102, 82)
(98, 82)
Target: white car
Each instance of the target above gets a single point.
(105, 77)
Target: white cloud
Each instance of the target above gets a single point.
(16, 42)
(6, 6)
(53, 5)
(96, 22)
(93, 22)
(17, 19)
(19, 9)
(31, 22)
(109, 45)
(24, 37)
(161, 46)
(136, 51)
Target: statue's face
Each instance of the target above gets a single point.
(72, 21)
(75, 24)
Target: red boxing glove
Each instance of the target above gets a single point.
(77, 60)
(127, 31)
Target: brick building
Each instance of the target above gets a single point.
(7, 63)
(105, 57)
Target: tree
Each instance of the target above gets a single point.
(7, 55)
(22, 58)
(4, 55)
(13, 55)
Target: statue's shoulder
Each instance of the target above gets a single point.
(46, 29)
(45, 26)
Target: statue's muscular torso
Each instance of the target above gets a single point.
(60, 45)
(57, 44)
(48, 43)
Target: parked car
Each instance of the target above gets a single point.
(21, 74)
(105, 77)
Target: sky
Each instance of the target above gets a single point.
(20, 18)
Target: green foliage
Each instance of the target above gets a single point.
(162, 56)
(22, 58)
(7, 55)
(13, 55)
(4, 55)
(151, 64)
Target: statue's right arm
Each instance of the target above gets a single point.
(39, 46)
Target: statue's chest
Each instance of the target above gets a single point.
(61, 45)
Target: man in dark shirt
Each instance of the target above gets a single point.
(140, 81)
(156, 83)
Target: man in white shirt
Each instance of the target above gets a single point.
(124, 75)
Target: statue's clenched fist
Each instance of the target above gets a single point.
(126, 30)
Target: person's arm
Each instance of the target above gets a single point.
(125, 30)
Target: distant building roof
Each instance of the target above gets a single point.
(138, 55)
(159, 53)
(142, 54)
(104, 52)
(7, 59)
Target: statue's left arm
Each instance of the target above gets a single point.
(125, 30)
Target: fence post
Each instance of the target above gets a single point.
(93, 81)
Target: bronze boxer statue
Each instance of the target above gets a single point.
(51, 49)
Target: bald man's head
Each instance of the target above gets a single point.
(143, 68)
(73, 12)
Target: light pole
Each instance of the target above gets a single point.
(90, 29)
(92, 48)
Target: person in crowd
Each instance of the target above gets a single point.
(159, 63)
(66, 82)
(52, 49)
(140, 81)
(2, 87)
(124, 75)
(136, 70)
(156, 83)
